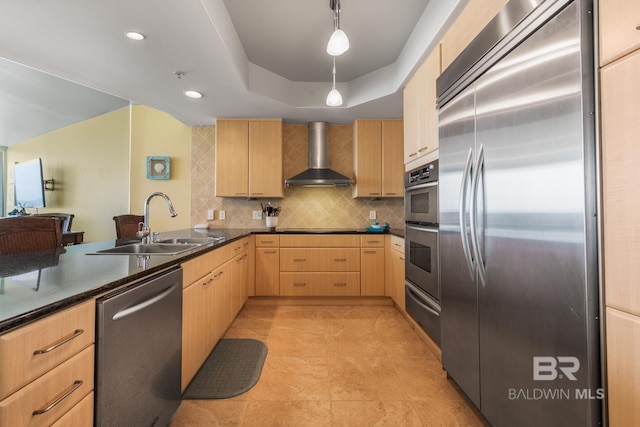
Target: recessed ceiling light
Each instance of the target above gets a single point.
(133, 35)
(192, 94)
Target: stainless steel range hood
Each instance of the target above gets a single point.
(319, 174)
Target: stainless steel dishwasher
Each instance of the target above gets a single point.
(139, 354)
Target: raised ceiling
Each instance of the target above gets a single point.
(250, 58)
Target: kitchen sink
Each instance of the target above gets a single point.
(149, 249)
(191, 240)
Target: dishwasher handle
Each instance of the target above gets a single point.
(141, 306)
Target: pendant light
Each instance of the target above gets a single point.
(334, 99)
(338, 42)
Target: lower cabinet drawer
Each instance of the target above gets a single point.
(49, 397)
(320, 259)
(29, 351)
(79, 415)
(320, 284)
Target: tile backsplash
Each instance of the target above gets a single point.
(302, 207)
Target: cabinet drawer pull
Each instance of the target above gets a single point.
(397, 245)
(370, 252)
(272, 251)
(218, 274)
(339, 259)
(413, 154)
(240, 194)
(374, 194)
(638, 27)
(340, 284)
(76, 384)
(237, 248)
(390, 194)
(299, 259)
(208, 282)
(255, 194)
(420, 150)
(75, 334)
(373, 241)
(401, 258)
(266, 241)
(300, 284)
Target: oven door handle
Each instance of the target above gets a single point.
(419, 299)
(415, 227)
(466, 250)
(420, 186)
(474, 214)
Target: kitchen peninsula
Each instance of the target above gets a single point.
(69, 276)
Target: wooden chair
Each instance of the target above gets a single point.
(29, 234)
(65, 219)
(127, 225)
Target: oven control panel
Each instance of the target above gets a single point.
(426, 173)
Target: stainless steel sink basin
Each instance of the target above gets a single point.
(149, 249)
(191, 240)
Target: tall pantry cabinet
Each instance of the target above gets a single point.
(620, 127)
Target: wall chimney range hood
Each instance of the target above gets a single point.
(319, 174)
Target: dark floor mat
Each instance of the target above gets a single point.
(232, 368)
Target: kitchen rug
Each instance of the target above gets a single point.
(232, 368)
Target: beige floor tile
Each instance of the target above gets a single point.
(293, 378)
(424, 379)
(364, 378)
(352, 338)
(441, 413)
(288, 414)
(374, 413)
(336, 366)
(208, 413)
(302, 338)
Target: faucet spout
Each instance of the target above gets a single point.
(145, 233)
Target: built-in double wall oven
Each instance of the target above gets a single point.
(422, 282)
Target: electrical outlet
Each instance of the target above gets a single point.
(257, 214)
(209, 214)
(222, 215)
(372, 214)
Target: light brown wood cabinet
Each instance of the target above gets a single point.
(420, 113)
(619, 29)
(42, 361)
(211, 301)
(248, 158)
(620, 102)
(267, 265)
(378, 158)
(319, 265)
(475, 16)
(395, 271)
(623, 368)
(372, 265)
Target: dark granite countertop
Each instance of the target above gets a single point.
(37, 284)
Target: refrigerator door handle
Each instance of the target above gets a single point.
(466, 174)
(474, 215)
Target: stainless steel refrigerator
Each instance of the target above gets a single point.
(518, 218)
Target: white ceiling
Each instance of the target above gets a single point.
(250, 58)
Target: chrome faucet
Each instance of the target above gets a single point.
(145, 231)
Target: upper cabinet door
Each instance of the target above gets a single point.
(619, 28)
(420, 113)
(392, 158)
(367, 165)
(232, 158)
(249, 158)
(265, 159)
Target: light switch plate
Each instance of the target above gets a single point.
(222, 215)
(257, 214)
(210, 214)
(372, 214)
